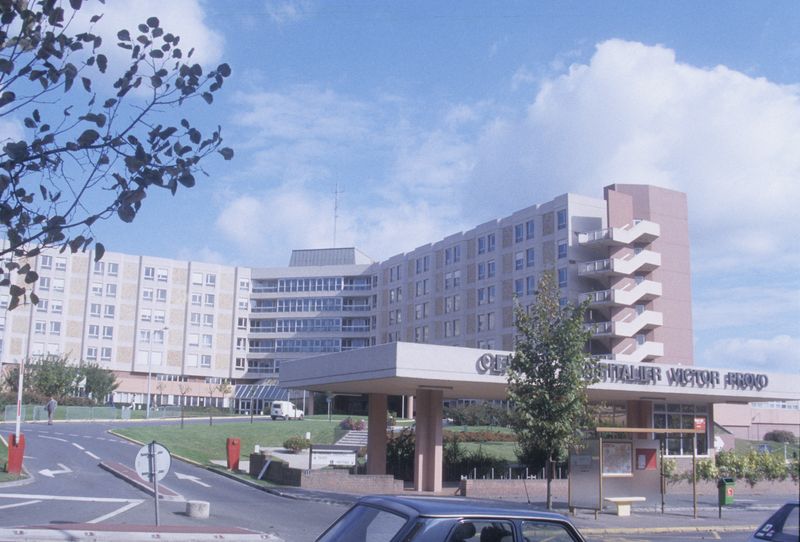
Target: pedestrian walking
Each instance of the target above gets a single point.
(51, 410)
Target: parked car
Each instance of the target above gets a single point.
(782, 526)
(436, 519)
(285, 410)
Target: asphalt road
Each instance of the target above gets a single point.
(70, 487)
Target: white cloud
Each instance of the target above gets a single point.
(286, 11)
(11, 130)
(522, 77)
(634, 114)
(205, 255)
(776, 355)
(184, 18)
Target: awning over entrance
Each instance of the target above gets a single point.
(261, 392)
(405, 368)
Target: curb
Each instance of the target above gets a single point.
(665, 530)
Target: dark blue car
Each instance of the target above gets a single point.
(435, 519)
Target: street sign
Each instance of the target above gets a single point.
(161, 464)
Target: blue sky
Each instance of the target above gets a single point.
(433, 117)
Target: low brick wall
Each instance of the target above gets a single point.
(514, 490)
(786, 487)
(342, 480)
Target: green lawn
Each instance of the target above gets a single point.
(202, 443)
(499, 450)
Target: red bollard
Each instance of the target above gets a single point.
(16, 451)
(233, 447)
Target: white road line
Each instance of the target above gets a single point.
(56, 438)
(90, 454)
(125, 508)
(78, 446)
(65, 498)
(26, 503)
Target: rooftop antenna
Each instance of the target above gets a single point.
(336, 210)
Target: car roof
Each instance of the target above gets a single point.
(459, 507)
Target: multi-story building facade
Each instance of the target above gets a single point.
(192, 324)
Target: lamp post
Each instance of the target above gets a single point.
(150, 370)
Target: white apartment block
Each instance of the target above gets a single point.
(192, 324)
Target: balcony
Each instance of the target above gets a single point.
(642, 231)
(635, 323)
(645, 290)
(644, 260)
(646, 351)
(599, 328)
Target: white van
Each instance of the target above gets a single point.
(285, 410)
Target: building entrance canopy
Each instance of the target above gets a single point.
(469, 373)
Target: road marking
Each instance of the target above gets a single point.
(51, 473)
(131, 504)
(56, 438)
(26, 503)
(78, 446)
(65, 498)
(191, 478)
(90, 454)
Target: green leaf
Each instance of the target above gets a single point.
(224, 70)
(99, 250)
(226, 152)
(124, 35)
(102, 63)
(152, 22)
(88, 137)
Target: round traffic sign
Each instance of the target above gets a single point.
(160, 465)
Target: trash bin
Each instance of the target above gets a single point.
(233, 447)
(726, 488)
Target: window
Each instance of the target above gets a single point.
(97, 288)
(562, 277)
(545, 530)
(486, 321)
(452, 328)
(421, 287)
(113, 269)
(490, 269)
(158, 316)
(481, 270)
(108, 332)
(91, 353)
(197, 279)
(244, 285)
(211, 279)
(530, 257)
(144, 336)
(44, 283)
(197, 299)
(240, 364)
(452, 280)
(209, 300)
(58, 285)
(40, 327)
(94, 331)
(530, 288)
(241, 343)
(149, 273)
(205, 360)
(61, 264)
(195, 318)
(42, 305)
(162, 275)
(561, 219)
(158, 336)
(241, 323)
(145, 316)
(194, 339)
(111, 290)
(147, 294)
(161, 295)
(244, 304)
(99, 267)
(562, 249)
(452, 303)
(519, 287)
(519, 233)
(208, 341)
(530, 229)
(109, 311)
(208, 320)
(481, 245)
(420, 311)
(519, 260)
(490, 242)
(105, 353)
(47, 262)
(452, 255)
(57, 306)
(55, 328)
(94, 309)
(680, 416)
(421, 334)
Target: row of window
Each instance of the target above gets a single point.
(305, 325)
(108, 268)
(323, 304)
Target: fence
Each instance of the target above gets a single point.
(39, 413)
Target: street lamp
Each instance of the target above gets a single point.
(150, 370)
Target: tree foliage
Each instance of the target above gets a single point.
(98, 134)
(98, 381)
(546, 376)
(51, 376)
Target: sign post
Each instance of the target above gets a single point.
(152, 465)
(16, 445)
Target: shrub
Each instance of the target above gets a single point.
(781, 436)
(296, 443)
(349, 424)
(477, 414)
(483, 436)
(400, 454)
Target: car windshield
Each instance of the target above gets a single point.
(364, 523)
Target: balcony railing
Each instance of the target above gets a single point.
(639, 230)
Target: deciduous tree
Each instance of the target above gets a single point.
(96, 134)
(546, 376)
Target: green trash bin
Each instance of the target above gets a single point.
(726, 488)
